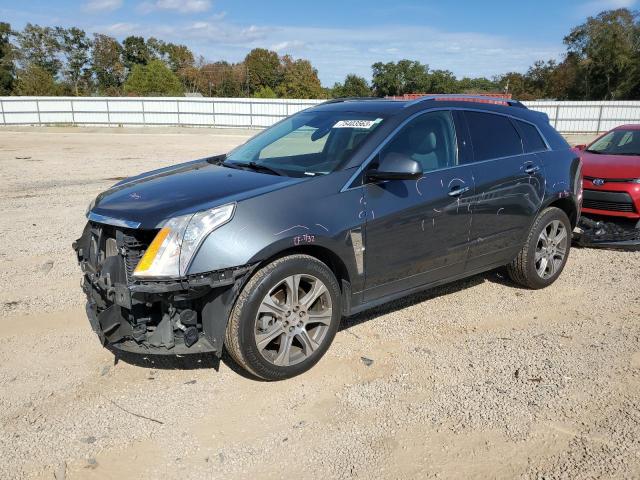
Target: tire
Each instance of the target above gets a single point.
(527, 268)
(275, 334)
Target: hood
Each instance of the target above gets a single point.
(610, 166)
(150, 198)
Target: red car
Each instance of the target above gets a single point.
(611, 169)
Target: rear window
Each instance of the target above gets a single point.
(493, 136)
(531, 139)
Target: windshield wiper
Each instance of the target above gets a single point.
(594, 151)
(257, 167)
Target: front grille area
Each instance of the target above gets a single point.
(611, 201)
(127, 244)
(611, 206)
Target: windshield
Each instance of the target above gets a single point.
(309, 143)
(617, 142)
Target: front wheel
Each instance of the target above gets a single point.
(545, 253)
(285, 318)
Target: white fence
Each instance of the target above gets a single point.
(148, 111)
(567, 117)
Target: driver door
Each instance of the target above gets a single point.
(417, 231)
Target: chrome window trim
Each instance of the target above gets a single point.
(373, 154)
(116, 222)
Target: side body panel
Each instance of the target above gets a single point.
(416, 233)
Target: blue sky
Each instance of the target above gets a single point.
(469, 38)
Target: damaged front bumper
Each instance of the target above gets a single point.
(160, 317)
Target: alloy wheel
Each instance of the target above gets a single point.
(551, 249)
(293, 320)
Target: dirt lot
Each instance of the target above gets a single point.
(475, 380)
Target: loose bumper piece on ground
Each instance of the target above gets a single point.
(607, 234)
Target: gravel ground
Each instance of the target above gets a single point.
(473, 380)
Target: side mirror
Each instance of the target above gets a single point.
(395, 166)
(580, 147)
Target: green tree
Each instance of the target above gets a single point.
(443, 81)
(515, 83)
(477, 85)
(608, 49)
(39, 46)
(265, 92)
(76, 48)
(107, 64)
(7, 68)
(263, 69)
(177, 57)
(406, 76)
(153, 79)
(538, 79)
(353, 86)
(299, 80)
(36, 81)
(135, 52)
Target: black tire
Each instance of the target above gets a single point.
(522, 270)
(240, 337)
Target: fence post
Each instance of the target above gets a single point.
(178, 110)
(144, 117)
(600, 118)
(213, 112)
(38, 109)
(250, 113)
(555, 120)
(4, 120)
(73, 115)
(108, 114)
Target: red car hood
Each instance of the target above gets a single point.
(610, 166)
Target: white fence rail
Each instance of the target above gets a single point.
(567, 117)
(148, 111)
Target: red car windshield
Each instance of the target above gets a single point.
(617, 142)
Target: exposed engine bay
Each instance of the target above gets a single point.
(163, 317)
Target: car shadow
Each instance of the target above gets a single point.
(192, 361)
(198, 361)
(498, 276)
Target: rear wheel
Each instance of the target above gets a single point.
(545, 252)
(285, 318)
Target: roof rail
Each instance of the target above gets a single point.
(468, 98)
(348, 99)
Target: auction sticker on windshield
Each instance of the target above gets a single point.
(357, 123)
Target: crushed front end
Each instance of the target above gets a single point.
(182, 316)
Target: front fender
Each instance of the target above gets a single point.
(315, 213)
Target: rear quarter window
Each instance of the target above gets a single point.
(531, 139)
(492, 136)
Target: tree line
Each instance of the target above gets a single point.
(601, 62)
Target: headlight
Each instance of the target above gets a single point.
(637, 180)
(173, 248)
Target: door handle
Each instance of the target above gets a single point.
(531, 169)
(457, 191)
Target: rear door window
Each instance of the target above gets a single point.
(531, 139)
(492, 136)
